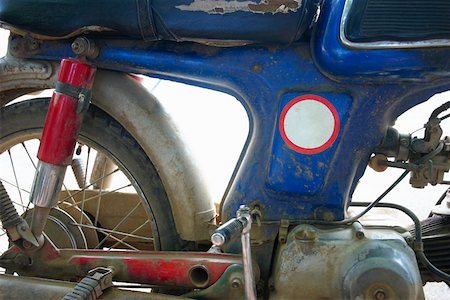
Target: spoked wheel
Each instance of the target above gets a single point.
(112, 197)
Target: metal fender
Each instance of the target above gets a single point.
(143, 116)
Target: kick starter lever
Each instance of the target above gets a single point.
(225, 233)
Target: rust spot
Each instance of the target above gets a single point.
(299, 171)
(275, 6)
(232, 6)
(257, 68)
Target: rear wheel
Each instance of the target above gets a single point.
(119, 201)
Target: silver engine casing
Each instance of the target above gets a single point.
(349, 262)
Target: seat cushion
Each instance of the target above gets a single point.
(181, 20)
(58, 18)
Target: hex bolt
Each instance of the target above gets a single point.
(236, 283)
(26, 244)
(22, 260)
(359, 230)
(34, 45)
(380, 295)
(306, 235)
(84, 47)
(79, 46)
(404, 142)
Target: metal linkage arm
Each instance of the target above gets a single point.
(225, 233)
(17, 228)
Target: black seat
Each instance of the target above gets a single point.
(194, 20)
(62, 18)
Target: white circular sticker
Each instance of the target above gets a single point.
(309, 124)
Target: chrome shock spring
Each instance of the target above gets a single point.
(79, 170)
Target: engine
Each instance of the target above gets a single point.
(351, 262)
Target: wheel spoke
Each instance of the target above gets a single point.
(103, 194)
(34, 165)
(131, 234)
(70, 195)
(109, 233)
(120, 223)
(29, 156)
(121, 205)
(14, 185)
(104, 230)
(15, 176)
(122, 242)
(100, 196)
(92, 183)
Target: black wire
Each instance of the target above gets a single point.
(374, 203)
(418, 243)
(393, 185)
(441, 198)
(432, 268)
(408, 212)
(440, 109)
(444, 117)
(352, 220)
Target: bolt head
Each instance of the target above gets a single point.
(79, 46)
(236, 283)
(22, 260)
(218, 239)
(26, 244)
(306, 235)
(380, 295)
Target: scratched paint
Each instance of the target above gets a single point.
(225, 7)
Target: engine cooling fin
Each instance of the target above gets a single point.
(398, 20)
(436, 242)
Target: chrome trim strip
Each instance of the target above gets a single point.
(384, 44)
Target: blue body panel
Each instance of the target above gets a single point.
(299, 174)
(381, 65)
(369, 89)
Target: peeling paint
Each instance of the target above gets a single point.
(260, 7)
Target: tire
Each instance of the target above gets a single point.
(99, 131)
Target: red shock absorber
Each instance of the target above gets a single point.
(69, 102)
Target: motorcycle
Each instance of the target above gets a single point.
(322, 83)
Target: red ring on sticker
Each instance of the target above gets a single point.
(314, 114)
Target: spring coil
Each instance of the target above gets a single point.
(79, 171)
(8, 214)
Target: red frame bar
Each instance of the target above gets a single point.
(145, 267)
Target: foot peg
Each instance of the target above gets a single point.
(227, 232)
(92, 286)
